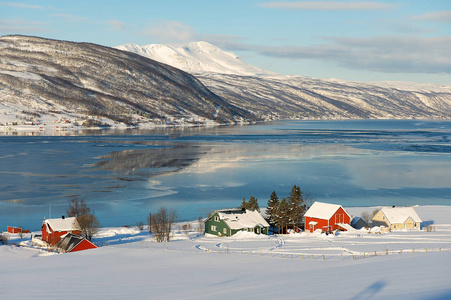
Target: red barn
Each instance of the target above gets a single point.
(14, 229)
(325, 216)
(72, 243)
(53, 229)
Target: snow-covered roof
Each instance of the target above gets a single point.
(321, 210)
(61, 224)
(237, 219)
(396, 215)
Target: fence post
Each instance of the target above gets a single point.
(363, 254)
(324, 258)
(280, 255)
(313, 257)
(291, 256)
(342, 256)
(353, 257)
(302, 255)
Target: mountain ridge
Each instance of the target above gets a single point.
(269, 95)
(88, 79)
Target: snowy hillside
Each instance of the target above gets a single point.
(130, 264)
(197, 57)
(274, 97)
(271, 96)
(40, 78)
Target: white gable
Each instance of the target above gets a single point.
(396, 215)
(236, 219)
(322, 210)
(66, 224)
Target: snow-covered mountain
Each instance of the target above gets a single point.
(270, 96)
(197, 57)
(41, 77)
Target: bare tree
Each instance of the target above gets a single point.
(366, 216)
(201, 224)
(140, 225)
(162, 223)
(149, 222)
(89, 225)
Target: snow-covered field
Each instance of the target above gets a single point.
(129, 264)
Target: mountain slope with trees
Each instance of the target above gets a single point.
(51, 77)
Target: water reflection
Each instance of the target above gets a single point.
(145, 163)
(124, 175)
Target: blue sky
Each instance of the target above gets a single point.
(353, 40)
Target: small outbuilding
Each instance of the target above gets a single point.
(72, 243)
(397, 218)
(326, 217)
(14, 229)
(53, 229)
(227, 222)
(358, 223)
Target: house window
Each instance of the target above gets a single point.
(224, 230)
(216, 218)
(213, 228)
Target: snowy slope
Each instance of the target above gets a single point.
(271, 96)
(197, 57)
(130, 265)
(50, 77)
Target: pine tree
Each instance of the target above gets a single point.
(283, 211)
(253, 204)
(244, 204)
(271, 209)
(296, 206)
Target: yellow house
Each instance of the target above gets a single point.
(397, 218)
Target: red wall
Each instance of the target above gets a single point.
(55, 236)
(14, 229)
(340, 216)
(84, 245)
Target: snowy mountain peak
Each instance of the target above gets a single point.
(197, 57)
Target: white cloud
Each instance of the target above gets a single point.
(328, 5)
(21, 26)
(442, 16)
(116, 25)
(170, 32)
(21, 5)
(383, 54)
(70, 18)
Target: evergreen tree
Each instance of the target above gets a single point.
(244, 204)
(296, 206)
(253, 204)
(283, 210)
(271, 209)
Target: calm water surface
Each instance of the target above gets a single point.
(124, 175)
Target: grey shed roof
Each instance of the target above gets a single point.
(69, 242)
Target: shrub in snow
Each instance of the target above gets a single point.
(3, 240)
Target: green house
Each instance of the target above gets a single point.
(227, 222)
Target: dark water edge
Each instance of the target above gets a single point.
(123, 175)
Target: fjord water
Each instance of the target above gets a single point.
(123, 175)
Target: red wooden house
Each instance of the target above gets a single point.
(15, 229)
(326, 216)
(53, 229)
(72, 243)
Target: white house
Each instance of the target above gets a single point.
(397, 218)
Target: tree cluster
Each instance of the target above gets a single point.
(252, 204)
(287, 212)
(161, 224)
(89, 225)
